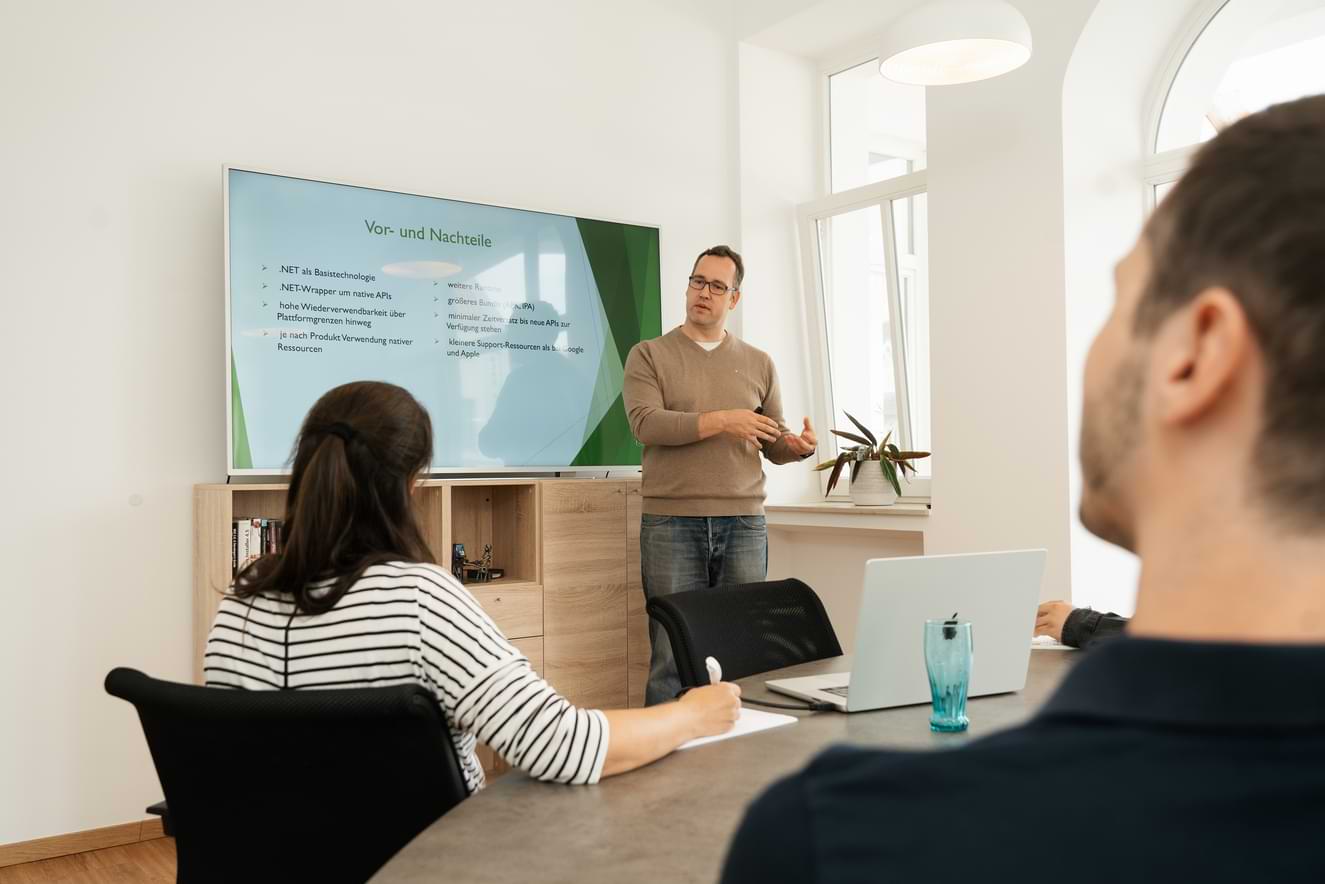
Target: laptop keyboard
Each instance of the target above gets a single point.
(839, 692)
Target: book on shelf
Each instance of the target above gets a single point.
(254, 539)
(251, 539)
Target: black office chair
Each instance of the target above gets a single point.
(751, 628)
(319, 785)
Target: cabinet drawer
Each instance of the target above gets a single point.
(516, 608)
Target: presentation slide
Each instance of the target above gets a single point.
(511, 327)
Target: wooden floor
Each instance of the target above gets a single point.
(150, 862)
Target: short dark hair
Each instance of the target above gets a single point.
(1249, 216)
(724, 252)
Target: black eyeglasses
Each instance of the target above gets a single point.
(717, 288)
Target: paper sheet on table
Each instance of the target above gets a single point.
(751, 721)
(1047, 643)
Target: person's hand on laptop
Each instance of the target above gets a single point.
(1050, 618)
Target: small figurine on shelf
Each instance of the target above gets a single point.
(480, 570)
(458, 561)
(485, 563)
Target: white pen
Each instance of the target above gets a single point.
(714, 668)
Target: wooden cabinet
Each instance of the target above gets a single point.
(215, 509)
(570, 597)
(637, 622)
(584, 590)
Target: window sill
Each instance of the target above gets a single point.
(902, 517)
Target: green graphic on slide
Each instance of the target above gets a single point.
(624, 261)
(243, 457)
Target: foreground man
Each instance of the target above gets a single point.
(1194, 742)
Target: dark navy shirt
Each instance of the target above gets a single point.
(1084, 627)
(1153, 761)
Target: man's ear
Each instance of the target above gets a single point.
(736, 299)
(1200, 352)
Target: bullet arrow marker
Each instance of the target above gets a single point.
(264, 266)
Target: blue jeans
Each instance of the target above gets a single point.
(678, 553)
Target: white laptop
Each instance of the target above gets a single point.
(997, 592)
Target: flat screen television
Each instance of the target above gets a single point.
(510, 326)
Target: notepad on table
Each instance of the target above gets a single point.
(751, 721)
(1048, 643)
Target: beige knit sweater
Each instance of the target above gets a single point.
(669, 382)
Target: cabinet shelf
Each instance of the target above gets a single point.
(507, 583)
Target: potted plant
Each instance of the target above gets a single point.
(870, 487)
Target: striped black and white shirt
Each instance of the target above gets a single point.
(403, 623)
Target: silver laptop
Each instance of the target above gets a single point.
(997, 592)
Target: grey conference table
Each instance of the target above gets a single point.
(672, 821)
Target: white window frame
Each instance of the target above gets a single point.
(808, 216)
(1167, 166)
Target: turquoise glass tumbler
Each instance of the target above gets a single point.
(948, 655)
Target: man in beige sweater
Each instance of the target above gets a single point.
(705, 405)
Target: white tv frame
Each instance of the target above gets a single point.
(232, 472)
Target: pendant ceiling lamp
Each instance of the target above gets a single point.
(945, 42)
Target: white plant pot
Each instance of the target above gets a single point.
(871, 487)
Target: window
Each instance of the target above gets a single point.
(911, 231)
(866, 254)
(1242, 56)
(876, 128)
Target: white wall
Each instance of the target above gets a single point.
(117, 118)
(997, 357)
(780, 149)
(1106, 108)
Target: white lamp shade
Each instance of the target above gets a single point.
(946, 42)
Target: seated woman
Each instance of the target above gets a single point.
(355, 599)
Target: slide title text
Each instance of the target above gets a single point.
(432, 234)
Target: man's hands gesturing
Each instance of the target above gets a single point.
(741, 423)
(803, 444)
(755, 428)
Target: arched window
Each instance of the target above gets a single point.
(1238, 57)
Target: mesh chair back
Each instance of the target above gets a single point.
(752, 628)
(320, 785)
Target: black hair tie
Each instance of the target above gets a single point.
(343, 430)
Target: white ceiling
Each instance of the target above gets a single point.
(817, 29)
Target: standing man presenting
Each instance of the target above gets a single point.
(705, 405)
